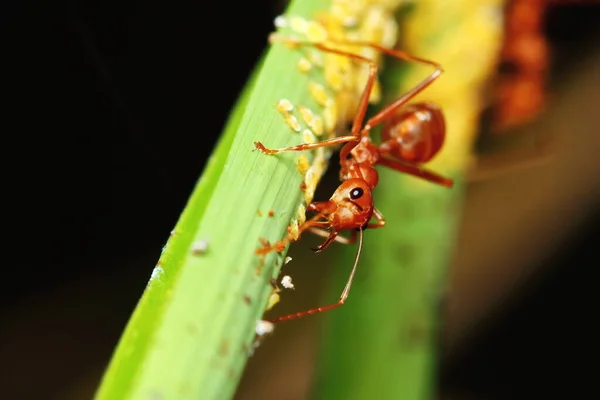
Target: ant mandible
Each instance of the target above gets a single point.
(411, 135)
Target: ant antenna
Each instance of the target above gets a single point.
(346, 291)
(343, 296)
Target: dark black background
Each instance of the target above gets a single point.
(115, 109)
(110, 110)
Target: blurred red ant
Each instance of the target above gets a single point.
(523, 74)
(411, 135)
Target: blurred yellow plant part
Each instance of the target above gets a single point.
(465, 37)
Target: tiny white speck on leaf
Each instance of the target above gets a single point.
(286, 282)
(157, 273)
(200, 246)
(287, 260)
(263, 327)
(280, 21)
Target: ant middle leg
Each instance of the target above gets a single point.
(331, 237)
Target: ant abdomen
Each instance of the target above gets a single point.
(415, 133)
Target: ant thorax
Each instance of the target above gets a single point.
(365, 152)
(360, 163)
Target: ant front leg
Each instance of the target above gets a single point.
(331, 237)
(307, 146)
(346, 240)
(380, 220)
(279, 245)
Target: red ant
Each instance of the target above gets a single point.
(411, 135)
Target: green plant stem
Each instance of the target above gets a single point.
(383, 343)
(190, 335)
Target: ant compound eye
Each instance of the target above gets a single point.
(356, 193)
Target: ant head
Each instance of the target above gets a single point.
(354, 204)
(350, 206)
(356, 190)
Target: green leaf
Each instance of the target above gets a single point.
(192, 331)
(383, 344)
